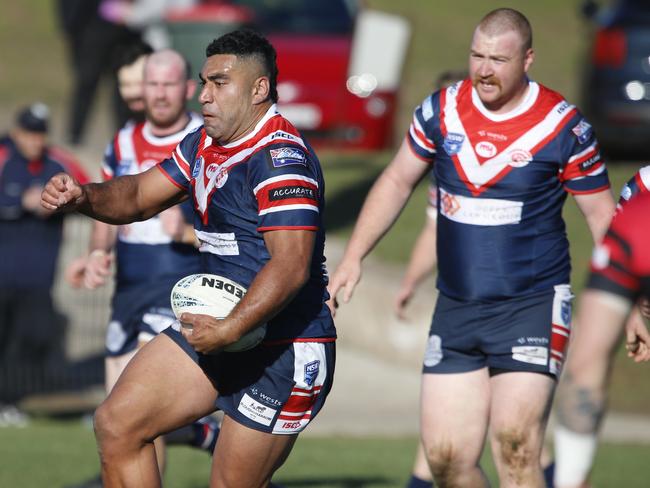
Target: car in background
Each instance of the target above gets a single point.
(616, 89)
(339, 64)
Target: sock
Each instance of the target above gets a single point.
(416, 482)
(549, 472)
(206, 431)
(183, 436)
(201, 434)
(574, 456)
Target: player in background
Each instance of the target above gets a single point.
(259, 196)
(576, 435)
(422, 263)
(130, 69)
(153, 254)
(507, 150)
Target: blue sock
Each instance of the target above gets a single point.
(416, 482)
(206, 431)
(549, 472)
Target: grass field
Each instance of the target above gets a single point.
(54, 454)
(33, 66)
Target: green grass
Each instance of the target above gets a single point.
(58, 453)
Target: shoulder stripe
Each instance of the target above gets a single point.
(276, 179)
(282, 208)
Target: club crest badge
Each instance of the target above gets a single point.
(453, 142)
(311, 372)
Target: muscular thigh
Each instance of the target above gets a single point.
(246, 457)
(455, 413)
(520, 404)
(161, 389)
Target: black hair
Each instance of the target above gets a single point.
(246, 43)
(129, 53)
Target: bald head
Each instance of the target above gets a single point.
(167, 88)
(170, 59)
(504, 20)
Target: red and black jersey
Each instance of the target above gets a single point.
(621, 262)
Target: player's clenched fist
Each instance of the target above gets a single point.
(62, 192)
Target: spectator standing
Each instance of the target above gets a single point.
(93, 44)
(31, 329)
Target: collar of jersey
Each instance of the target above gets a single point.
(526, 103)
(270, 113)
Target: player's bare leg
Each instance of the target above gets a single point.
(160, 390)
(582, 393)
(114, 365)
(455, 411)
(520, 404)
(421, 468)
(246, 457)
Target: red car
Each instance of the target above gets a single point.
(339, 65)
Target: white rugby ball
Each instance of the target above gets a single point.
(216, 296)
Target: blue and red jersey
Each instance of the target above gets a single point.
(502, 182)
(268, 180)
(145, 253)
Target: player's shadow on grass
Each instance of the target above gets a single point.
(342, 208)
(342, 482)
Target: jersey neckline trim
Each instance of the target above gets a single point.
(528, 101)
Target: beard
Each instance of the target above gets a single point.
(165, 119)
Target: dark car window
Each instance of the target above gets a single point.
(628, 13)
(301, 16)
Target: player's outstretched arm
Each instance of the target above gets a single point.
(118, 201)
(381, 208)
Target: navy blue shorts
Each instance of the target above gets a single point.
(275, 389)
(519, 334)
(139, 313)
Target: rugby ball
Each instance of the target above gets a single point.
(213, 295)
